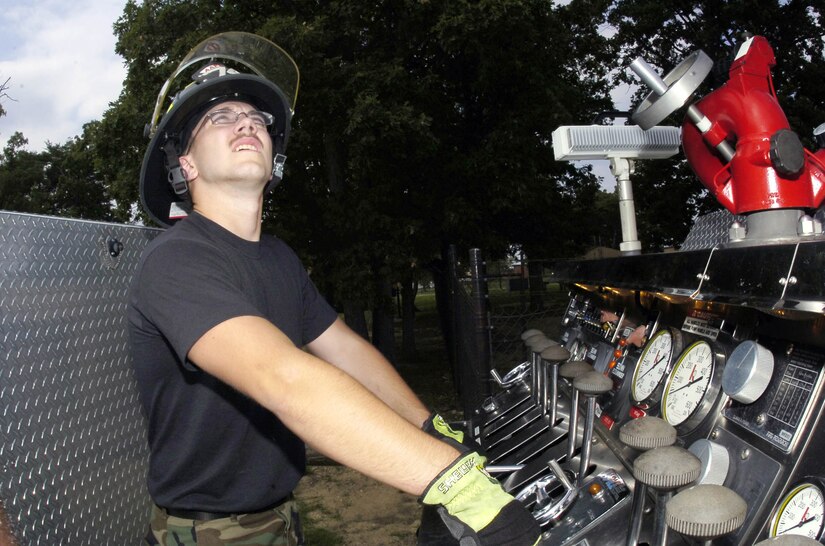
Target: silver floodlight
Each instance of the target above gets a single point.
(622, 145)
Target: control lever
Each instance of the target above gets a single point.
(527, 410)
(570, 371)
(527, 334)
(547, 509)
(590, 385)
(513, 376)
(643, 434)
(665, 469)
(497, 378)
(519, 372)
(552, 357)
(706, 512)
(502, 468)
(538, 344)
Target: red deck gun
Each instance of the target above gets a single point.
(738, 141)
(770, 169)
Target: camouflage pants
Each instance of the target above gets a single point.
(279, 526)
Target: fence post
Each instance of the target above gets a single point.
(455, 338)
(482, 322)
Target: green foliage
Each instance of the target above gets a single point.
(421, 124)
(60, 181)
(20, 171)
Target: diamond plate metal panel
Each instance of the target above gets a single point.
(711, 229)
(73, 452)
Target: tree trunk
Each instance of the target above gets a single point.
(409, 289)
(441, 284)
(536, 270)
(383, 332)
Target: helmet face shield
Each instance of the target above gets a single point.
(239, 66)
(257, 54)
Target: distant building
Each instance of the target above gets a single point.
(601, 252)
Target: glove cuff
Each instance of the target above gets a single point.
(435, 425)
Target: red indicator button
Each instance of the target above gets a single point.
(636, 412)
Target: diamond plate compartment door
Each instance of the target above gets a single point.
(73, 452)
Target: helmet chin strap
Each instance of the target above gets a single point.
(174, 172)
(277, 173)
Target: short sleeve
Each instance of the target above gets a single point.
(186, 288)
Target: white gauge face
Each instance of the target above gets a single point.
(652, 365)
(800, 513)
(688, 382)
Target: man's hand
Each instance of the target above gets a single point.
(475, 508)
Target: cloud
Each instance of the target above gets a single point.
(62, 64)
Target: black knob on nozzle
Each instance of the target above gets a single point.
(787, 153)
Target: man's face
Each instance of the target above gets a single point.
(239, 150)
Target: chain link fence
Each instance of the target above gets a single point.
(490, 307)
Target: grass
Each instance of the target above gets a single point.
(428, 371)
(318, 536)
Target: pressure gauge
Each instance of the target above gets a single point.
(688, 383)
(653, 365)
(800, 512)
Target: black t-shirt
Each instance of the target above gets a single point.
(212, 448)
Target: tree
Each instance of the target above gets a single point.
(21, 172)
(3, 95)
(419, 124)
(60, 181)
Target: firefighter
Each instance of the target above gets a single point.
(238, 358)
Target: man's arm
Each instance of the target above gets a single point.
(321, 404)
(351, 353)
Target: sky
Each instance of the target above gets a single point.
(63, 69)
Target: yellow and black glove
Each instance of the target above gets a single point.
(475, 508)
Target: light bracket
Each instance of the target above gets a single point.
(622, 145)
(588, 142)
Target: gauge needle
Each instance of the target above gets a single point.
(658, 359)
(655, 363)
(802, 520)
(800, 524)
(688, 384)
